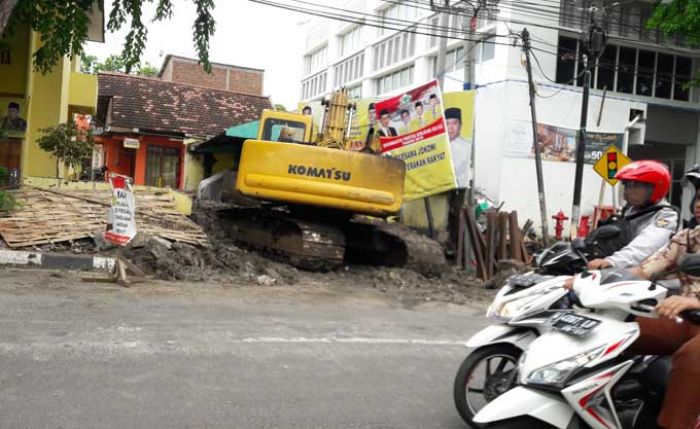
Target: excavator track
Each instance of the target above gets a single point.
(302, 241)
(304, 244)
(376, 242)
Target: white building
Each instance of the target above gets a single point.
(642, 74)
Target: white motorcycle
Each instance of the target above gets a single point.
(575, 374)
(489, 369)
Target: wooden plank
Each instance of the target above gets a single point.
(491, 235)
(475, 241)
(516, 238)
(502, 238)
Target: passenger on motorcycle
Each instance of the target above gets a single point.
(651, 219)
(680, 340)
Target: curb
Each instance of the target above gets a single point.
(54, 261)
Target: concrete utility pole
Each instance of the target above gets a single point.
(442, 48)
(536, 145)
(595, 47)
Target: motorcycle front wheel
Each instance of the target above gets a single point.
(485, 374)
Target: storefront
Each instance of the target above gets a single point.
(149, 160)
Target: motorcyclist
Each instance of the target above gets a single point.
(652, 220)
(667, 337)
(692, 176)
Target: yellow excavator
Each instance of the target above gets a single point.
(320, 202)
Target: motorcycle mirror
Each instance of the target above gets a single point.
(691, 265)
(578, 244)
(608, 231)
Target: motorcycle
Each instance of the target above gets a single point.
(576, 374)
(488, 370)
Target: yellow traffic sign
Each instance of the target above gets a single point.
(610, 163)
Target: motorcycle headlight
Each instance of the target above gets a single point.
(558, 372)
(505, 310)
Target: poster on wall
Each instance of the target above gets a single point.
(11, 121)
(557, 143)
(411, 127)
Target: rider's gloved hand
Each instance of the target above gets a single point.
(672, 306)
(599, 264)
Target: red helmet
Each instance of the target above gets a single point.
(652, 172)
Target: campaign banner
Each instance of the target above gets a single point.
(122, 213)
(412, 127)
(558, 143)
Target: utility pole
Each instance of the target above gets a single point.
(538, 155)
(442, 48)
(595, 47)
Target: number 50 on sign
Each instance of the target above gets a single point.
(610, 163)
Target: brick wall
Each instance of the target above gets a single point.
(234, 79)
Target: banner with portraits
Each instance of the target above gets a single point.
(411, 127)
(455, 108)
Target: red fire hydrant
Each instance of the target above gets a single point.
(559, 226)
(584, 226)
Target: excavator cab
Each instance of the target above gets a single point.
(277, 126)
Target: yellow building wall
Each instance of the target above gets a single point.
(83, 89)
(13, 77)
(194, 172)
(47, 104)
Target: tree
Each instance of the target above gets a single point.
(114, 63)
(678, 17)
(63, 26)
(67, 143)
(280, 107)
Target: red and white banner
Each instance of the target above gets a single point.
(412, 128)
(123, 212)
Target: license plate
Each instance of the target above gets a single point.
(572, 324)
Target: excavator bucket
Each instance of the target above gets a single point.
(311, 175)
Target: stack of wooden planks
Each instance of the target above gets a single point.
(503, 239)
(44, 216)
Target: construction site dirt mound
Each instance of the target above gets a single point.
(229, 264)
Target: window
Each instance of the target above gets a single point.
(355, 92)
(163, 166)
(488, 50)
(434, 25)
(682, 73)
(395, 15)
(606, 68)
(313, 86)
(349, 42)
(394, 80)
(454, 60)
(315, 60)
(394, 49)
(628, 70)
(350, 69)
(272, 130)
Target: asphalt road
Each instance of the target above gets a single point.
(84, 355)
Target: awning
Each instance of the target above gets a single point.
(249, 130)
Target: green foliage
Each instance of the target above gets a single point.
(67, 144)
(114, 63)
(678, 17)
(7, 202)
(63, 25)
(280, 107)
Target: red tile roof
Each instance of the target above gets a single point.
(158, 106)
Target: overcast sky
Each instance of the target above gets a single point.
(247, 34)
